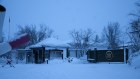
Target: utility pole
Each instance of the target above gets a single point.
(9, 30)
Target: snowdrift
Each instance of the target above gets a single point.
(136, 60)
(73, 61)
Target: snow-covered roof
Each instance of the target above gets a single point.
(51, 42)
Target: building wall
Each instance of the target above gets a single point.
(54, 55)
(72, 53)
(61, 53)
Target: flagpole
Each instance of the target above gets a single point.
(9, 30)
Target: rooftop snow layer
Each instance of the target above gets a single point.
(51, 42)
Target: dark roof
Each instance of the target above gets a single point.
(2, 8)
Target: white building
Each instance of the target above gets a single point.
(54, 48)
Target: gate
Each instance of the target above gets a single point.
(120, 55)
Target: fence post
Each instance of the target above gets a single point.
(95, 51)
(124, 55)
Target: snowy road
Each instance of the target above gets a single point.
(70, 71)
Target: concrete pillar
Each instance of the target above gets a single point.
(64, 53)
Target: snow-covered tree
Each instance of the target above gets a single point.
(134, 29)
(134, 35)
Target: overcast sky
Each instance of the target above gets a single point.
(65, 15)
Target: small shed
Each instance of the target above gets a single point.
(54, 48)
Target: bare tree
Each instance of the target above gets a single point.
(134, 29)
(35, 35)
(81, 38)
(97, 39)
(137, 13)
(77, 39)
(134, 35)
(111, 34)
(44, 32)
(87, 38)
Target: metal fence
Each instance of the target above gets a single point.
(120, 55)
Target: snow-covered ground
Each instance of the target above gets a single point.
(59, 69)
(136, 61)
